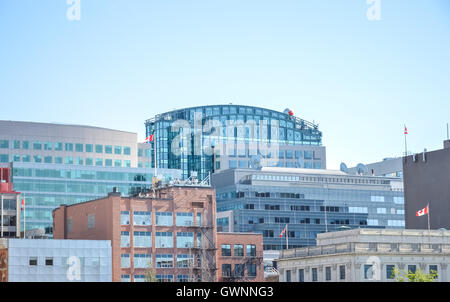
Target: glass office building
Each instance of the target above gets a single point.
(307, 201)
(211, 138)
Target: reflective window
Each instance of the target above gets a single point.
(69, 146)
(126, 150)
(127, 163)
(68, 160)
(185, 239)
(124, 239)
(164, 260)
(108, 162)
(125, 260)
(58, 160)
(142, 218)
(124, 217)
(185, 219)
(143, 239)
(142, 260)
(108, 149)
(164, 219)
(185, 261)
(37, 159)
(16, 144)
(164, 240)
(58, 146)
(4, 158)
(25, 145)
(98, 148)
(48, 159)
(89, 161)
(79, 147)
(89, 147)
(37, 146)
(47, 146)
(117, 163)
(99, 162)
(117, 150)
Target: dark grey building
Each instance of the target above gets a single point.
(427, 180)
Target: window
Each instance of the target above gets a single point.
(126, 150)
(412, 269)
(144, 239)
(33, 261)
(47, 146)
(328, 273)
(199, 219)
(185, 239)
(183, 278)
(314, 274)
(108, 162)
(381, 210)
(142, 218)
(98, 148)
(25, 145)
(139, 278)
(399, 200)
(251, 270)
(89, 161)
(16, 158)
(99, 162)
(37, 146)
(125, 260)
(69, 146)
(185, 219)
(79, 161)
(288, 276)
(58, 146)
(226, 250)
(308, 154)
(164, 260)
(185, 261)
(124, 239)
(68, 160)
(251, 250)
(232, 164)
(164, 219)
(58, 160)
(239, 250)
(433, 269)
(37, 159)
(79, 147)
(48, 159)
(164, 240)
(301, 275)
(142, 260)
(91, 221)
(127, 163)
(390, 271)
(108, 149)
(164, 278)
(89, 148)
(368, 271)
(48, 261)
(342, 272)
(117, 163)
(377, 198)
(124, 217)
(125, 278)
(117, 150)
(226, 270)
(16, 144)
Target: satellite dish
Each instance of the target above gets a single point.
(344, 168)
(255, 161)
(362, 169)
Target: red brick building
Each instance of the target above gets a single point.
(10, 223)
(167, 235)
(240, 257)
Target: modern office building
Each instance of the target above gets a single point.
(212, 138)
(54, 164)
(426, 180)
(166, 235)
(308, 201)
(240, 257)
(367, 255)
(43, 260)
(10, 223)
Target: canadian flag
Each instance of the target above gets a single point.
(422, 212)
(283, 231)
(149, 138)
(406, 130)
(23, 203)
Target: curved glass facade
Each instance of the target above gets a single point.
(209, 138)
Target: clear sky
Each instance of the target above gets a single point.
(126, 60)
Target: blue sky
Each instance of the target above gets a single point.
(125, 61)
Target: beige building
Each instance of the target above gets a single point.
(367, 255)
(168, 234)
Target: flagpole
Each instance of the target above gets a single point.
(24, 223)
(406, 145)
(287, 237)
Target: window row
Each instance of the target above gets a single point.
(238, 250)
(162, 218)
(162, 239)
(162, 261)
(69, 160)
(158, 277)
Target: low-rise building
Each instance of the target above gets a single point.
(166, 235)
(43, 260)
(240, 257)
(364, 255)
(10, 225)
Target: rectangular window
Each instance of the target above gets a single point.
(37, 146)
(226, 250)
(108, 149)
(37, 158)
(127, 163)
(314, 274)
(142, 260)
(139, 278)
(164, 240)
(68, 160)
(69, 147)
(98, 148)
(91, 221)
(47, 146)
(226, 270)
(199, 219)
(124, 239)
(4, 158)
(125, 278)
(126, 150)
(251, 250)
(58, 146)
(301, 275)
(124, 217)
(49, 261)
(69, 225)
(288, 276)
(32, 261)
(99, 162)
(185, 240)
(142, 218)
(185, 261)
(342, 272)
(108, 162)
(433, 269)
(185, 219)
(48, 159)
(117, 163)
(26, 145)
(164, 219)
(238, 250)
(89, 148)
(125, 260)
(164, 261)
(144, 239)
(390, 271)
(16, 158)
(377, 198)
(412, 269)
(16, 144)
(79, 147)
(328, 273)
(89, 161)
(183, 278)
(79, 161)
(117, 150)
(368, 271)
(58, 160)
(308, 154)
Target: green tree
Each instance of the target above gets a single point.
(418, 276)
(150, 275)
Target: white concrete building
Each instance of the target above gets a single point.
(48, 260)
(367, 255)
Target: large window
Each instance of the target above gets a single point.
(164, 240)
(226, 270)
(390, 271)
(124, 217)
(342, 272)
(142, 218)
(164, 219)
(185, 239)
(314, 274)
(89, 148)
(108, 149)
(143, 239)
(126, 150)
(79, 147)
(58, 146)
(98, 148)
(142, 260)
(185, 219)
(117, 150)
(328, 273)
(185, 261)
(251, 250)
(125, 260)
(226, 250)
(412, 268)
(301, 275)
(124, 239)
(164, 261)
(69, 146)
(37, 146)
(239, 250)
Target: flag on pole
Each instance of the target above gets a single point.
(149, 138)
(406, 130)
(422, 212)
(283, 231)
(23, 203)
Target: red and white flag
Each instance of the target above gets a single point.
(23, 203)
(149, 138)
(406, 130)
(283, 231)
(422, 212)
